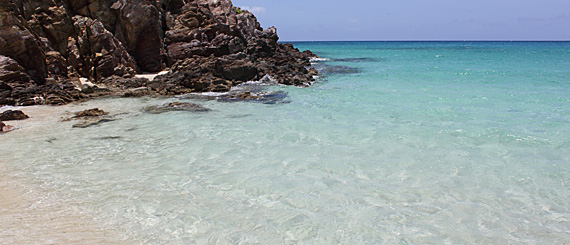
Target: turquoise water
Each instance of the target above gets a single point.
(422, 142)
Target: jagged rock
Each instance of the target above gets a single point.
(20, 44)
(11, 115)
(96, 53)
(139, 27)
(56, 63)
(124, 83)
(175, 106)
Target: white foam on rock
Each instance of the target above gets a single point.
(317, 59)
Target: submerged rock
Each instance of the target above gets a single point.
(325, 69)
(11, 115)
(93, 121)
(91, 117)
(95, 112)
(269, 97)
(175, 106)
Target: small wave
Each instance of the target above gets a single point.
(265, 80)
(213, 94)
(317, 59)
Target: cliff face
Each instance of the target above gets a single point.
(208, 45)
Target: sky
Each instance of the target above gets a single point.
(360, 20)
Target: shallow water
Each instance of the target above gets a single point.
(426, 143)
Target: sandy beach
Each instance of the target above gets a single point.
(29, 215)
(25, 220)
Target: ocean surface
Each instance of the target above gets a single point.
(396, 143)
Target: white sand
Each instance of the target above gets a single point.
(42, 218)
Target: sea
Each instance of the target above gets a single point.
(394, 143)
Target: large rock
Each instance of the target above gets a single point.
(139, 27)
(11, 115)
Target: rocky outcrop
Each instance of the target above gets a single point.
(207, 45)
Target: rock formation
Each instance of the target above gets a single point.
(46, 46)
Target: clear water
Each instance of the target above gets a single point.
(430, 142)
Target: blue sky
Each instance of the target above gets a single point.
(333, 20)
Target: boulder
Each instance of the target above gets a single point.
(11, 115)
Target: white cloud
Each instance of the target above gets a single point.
(255, 9)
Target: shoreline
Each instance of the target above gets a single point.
(29, 214)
